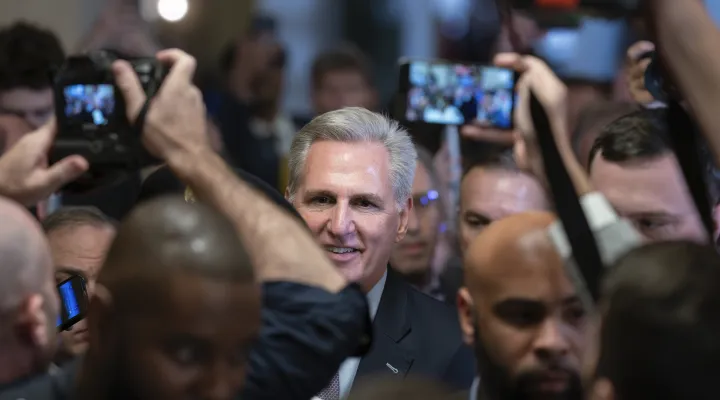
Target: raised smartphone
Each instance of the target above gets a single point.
(452, 93)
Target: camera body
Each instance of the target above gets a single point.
(91, 112)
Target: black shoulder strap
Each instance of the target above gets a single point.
(567, 205)
(683, 134)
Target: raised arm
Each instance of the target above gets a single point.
(688, 39)
(280, 247)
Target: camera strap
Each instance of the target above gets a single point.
(683, 135)
(567, 205)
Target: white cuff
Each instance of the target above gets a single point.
(598, 211)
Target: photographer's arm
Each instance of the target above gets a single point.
(175, 130)
(281, 248)
(552, 94)
(688, 41)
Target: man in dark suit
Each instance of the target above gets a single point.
(351, 175)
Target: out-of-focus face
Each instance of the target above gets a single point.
(489, 194)
(533, 328)
(413, 256)
(343, 88)
(34, 106)
(80, 250)
(191, 340)
(652, 194)
(346, 199)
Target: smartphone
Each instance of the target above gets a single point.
(73, 301)
(451, 93)
(594, 51)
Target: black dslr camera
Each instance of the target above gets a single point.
(91, 114)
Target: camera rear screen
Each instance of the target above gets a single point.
(69, 301)
(453, 94)
(89, 104)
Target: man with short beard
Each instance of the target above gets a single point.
(521, 313)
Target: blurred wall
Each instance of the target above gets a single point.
(209, 26)
(70, 19)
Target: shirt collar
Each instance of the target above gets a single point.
(375, 294)
(474, 388)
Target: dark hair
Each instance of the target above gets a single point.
(659, 336)
(596, 116)
(75, 216)
(643, 135)
(28, 56)
(499, 159)
(348, 58)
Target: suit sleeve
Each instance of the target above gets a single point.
(306, 334)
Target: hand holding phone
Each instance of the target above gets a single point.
(73, 302)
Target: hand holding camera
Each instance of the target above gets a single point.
(175, 123)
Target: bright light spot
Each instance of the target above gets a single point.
(172, 10)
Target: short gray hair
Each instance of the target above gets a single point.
(355, 124)
(76, 216)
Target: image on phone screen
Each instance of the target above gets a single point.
(454, 94)
(69, 301)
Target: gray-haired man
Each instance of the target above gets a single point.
(351, 175)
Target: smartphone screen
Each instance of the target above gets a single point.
(73, 301)
(438, 92)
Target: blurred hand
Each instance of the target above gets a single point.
(175, 123)
(24, 174)
(636, 72)
(479, 131)
(552, 94)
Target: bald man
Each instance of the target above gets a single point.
(175, 310)
(28, 297)
(521, 313)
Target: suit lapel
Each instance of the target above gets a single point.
(390, 353)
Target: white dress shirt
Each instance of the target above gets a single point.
(349, 367)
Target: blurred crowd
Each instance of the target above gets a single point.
(360, 252)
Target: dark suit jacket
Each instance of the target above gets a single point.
(417, 335)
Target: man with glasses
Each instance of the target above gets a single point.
(413, 256)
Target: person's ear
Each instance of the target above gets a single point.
(287, 195)
(31, 325)
(100, 316)
(404, 218)
(466, 315)
(602, 389)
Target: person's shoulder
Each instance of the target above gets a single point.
(39, 388)
(464, 395)
(426, 308)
